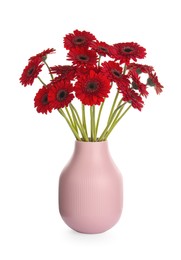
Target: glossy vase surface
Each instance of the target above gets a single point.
(90, 189)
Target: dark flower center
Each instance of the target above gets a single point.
(79, 40)
(61, 95)
(134, 85)
(150, 82)
(103, 49)
(44, 99)
(92, 87)
(83, 57)
(30, 71)
(128, 49)
(116, 73)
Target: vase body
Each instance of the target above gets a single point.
(90, 189)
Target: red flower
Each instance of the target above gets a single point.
(124, 52)
(78, 39)
(31, 71)
(139, 68)
(153, 81)
(137, 84)
(101, 48)
(82, 57)
(64, 72)
(114, 72)
(60, 94)
(132, 97)
(92, 89)
(41, 101)
(43, 54)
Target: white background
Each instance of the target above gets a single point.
(35, 147)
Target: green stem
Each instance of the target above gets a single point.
(115, 122)
(91, 125)
(94, 127)
(71, 127)
(113, 106)
(99, 116)
(41, 81)
(48, 69)
(79, 123)
(84, 119)
(99, 61)
(69, 116)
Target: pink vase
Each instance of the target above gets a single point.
(91, 189)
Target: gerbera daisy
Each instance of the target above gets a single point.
(78, 39)
(92, 89)
(43, 54)
(140, 68)
(114, 72)
(82, 57)
(129, 95)
(101, 48)
(41, 101)
(60, 94)
(137, 84)
(64, 71)
(153, 81)
(31, 71)
(126, 51)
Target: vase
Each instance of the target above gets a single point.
(90, 189)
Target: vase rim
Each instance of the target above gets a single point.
(90, 142)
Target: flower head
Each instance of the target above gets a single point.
(41, 101)
(67, 72)
(31, 71)
(92, 89)
(43, 54)
(129, 95)
(82, 57)
(140, 68)
(78, 39)
(60, 94)
(126, 51)
(101, 48)
(114, 72)
(153, 81)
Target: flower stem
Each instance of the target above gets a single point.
(93, 119)
(79, 123)
(99, 116)
(69, 116)
(113, 106)
(48, 69)
(71, 127)
(84, 119)
(41, 81)
(115, 122)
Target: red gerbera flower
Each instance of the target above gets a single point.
(137, 84)
(64, 72)
(114, 72)
(31, 71)
(78, 39)
(43, 54)
(82, 57)
(129, 95)
(153, 81)
(140, 68)
(41, 101)
(101, 48)
(126, 51)
(92, 89)
(60, 94)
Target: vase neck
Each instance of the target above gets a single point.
(91, 148)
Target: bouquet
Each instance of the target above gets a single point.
(96, 68)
